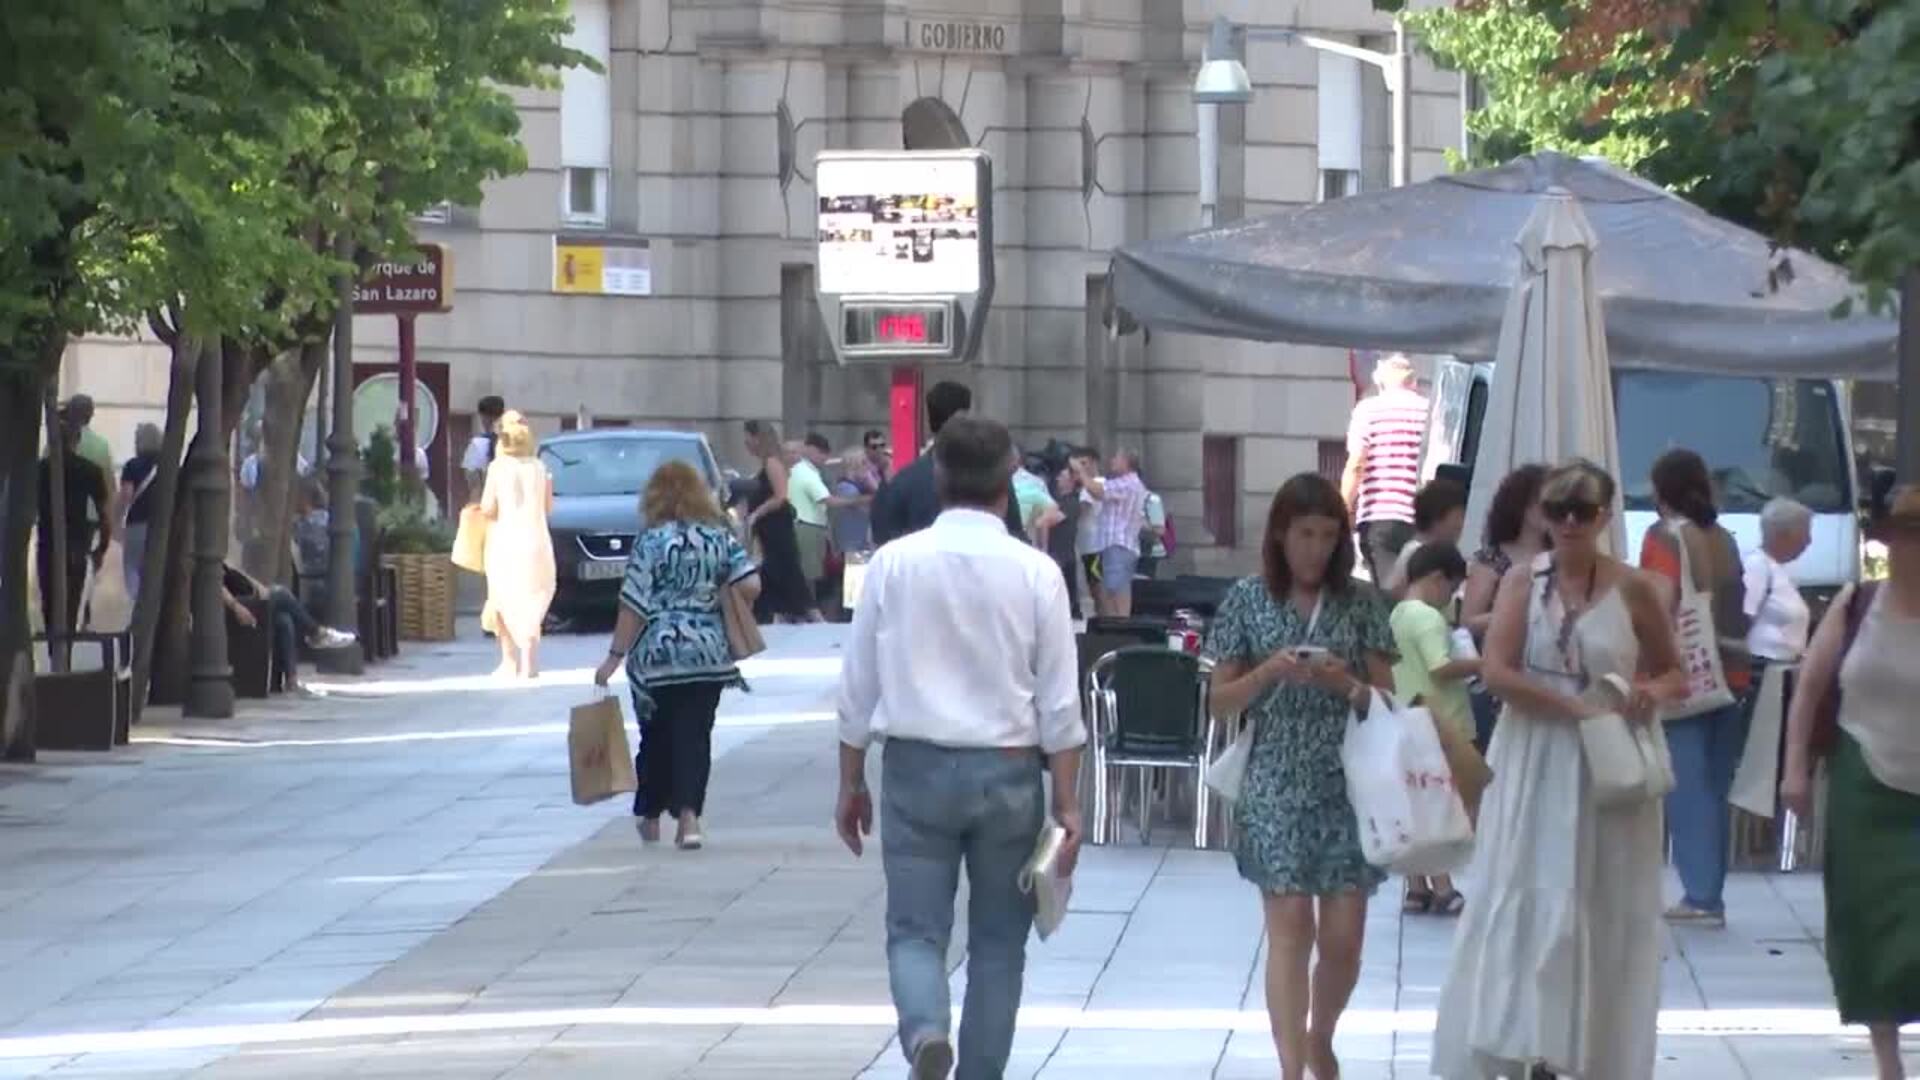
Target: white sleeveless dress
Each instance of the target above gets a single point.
(1557, 957)
(519, 558)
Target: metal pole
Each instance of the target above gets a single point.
(343, 476)
(210, 686)
(1208, 132)
(54, 536)
(1400, 85)
(1907, 465)
(321, 417)
(409, 381)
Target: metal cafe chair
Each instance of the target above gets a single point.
(1150, 712)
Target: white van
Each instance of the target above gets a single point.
(1761, 438)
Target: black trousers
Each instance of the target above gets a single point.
(77, 565)
(675, 758)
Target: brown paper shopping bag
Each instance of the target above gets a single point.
(602, 765)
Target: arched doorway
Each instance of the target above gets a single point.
(931, 124)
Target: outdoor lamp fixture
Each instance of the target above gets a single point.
(1223, 80)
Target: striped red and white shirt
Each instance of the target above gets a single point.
(1388, 433)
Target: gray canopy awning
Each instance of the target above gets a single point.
(1428, 268)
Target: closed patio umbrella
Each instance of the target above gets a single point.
(1553, 399)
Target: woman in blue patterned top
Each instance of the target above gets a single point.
(1295, 650)
(672, 639)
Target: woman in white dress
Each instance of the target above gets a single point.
(519, 558)
(1556, 966)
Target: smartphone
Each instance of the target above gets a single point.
(1308, 653)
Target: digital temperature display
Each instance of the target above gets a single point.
(896, 327)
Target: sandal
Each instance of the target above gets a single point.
(1450, 903)
(1417, 902)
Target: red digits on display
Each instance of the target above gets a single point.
(910, 327)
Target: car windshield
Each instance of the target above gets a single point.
(615, 466)
(1761, 438)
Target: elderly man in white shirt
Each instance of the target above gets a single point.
(1781, 621)
(963, 663)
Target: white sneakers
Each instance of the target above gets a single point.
(326, 638)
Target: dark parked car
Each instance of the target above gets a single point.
(597, 480)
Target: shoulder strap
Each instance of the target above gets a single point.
(1857, 607)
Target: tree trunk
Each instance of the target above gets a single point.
(290, 382)
(162, 525)
(22, 389)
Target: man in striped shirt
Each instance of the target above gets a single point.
(1384, 444)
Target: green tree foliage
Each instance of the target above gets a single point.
(1801, 119)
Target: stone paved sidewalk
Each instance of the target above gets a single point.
(425, 902)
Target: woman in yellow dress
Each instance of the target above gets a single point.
(519, 559)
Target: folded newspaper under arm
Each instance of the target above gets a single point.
(1041, 879)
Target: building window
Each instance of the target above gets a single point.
(586, 196)
(1338, 183)
(1220, 487)
(1342, 130)
(586, 117)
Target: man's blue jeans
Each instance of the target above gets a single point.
(1706, 753)
(941, 808)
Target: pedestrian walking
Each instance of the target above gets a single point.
(1439, 516)
(1385, 439)
(88, 526)
(771, 522)
(671, 637)
(1854, 705)
(1556, 964)
(1780, 622)
(812, 497)
(963, 661)
(1119, 506)
(1296, 649)
(516, 499)
(1428, 674)
(1514, 535)
(1706, 747)
(1156, 537)
(911, 500)
(136, 504)
(485, 444)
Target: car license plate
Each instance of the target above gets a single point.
(602, 571)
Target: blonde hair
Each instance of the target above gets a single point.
(516, 438)
(677, 492)
(1579, 480)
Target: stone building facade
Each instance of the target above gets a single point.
(689, 164)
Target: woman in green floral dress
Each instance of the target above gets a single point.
(1295, 650)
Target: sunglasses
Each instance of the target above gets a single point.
(1577, 511)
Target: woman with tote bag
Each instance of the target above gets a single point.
(1697, 568)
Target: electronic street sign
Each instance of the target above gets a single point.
(905, 261)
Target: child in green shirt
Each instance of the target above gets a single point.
(1427, 674)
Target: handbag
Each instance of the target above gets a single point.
(1227, 773)
(1040, 878)
(470, 540)
(743, 630)
(1698, 644)
(1826, 714)
(1626, 763)
(600, 764)
(1411, 817)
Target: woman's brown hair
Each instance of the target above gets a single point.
(678, 493)
(1306, 495)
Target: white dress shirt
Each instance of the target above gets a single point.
(1781, 620)
(962, 639)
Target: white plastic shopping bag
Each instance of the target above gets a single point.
(1410, 814)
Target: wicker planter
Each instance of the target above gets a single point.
(425, 597)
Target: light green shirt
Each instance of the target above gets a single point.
(1425, 642)
(807, 491)
(94, 448)
(1031, 493)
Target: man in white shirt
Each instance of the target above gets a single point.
(480, 448)
(963, 662)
